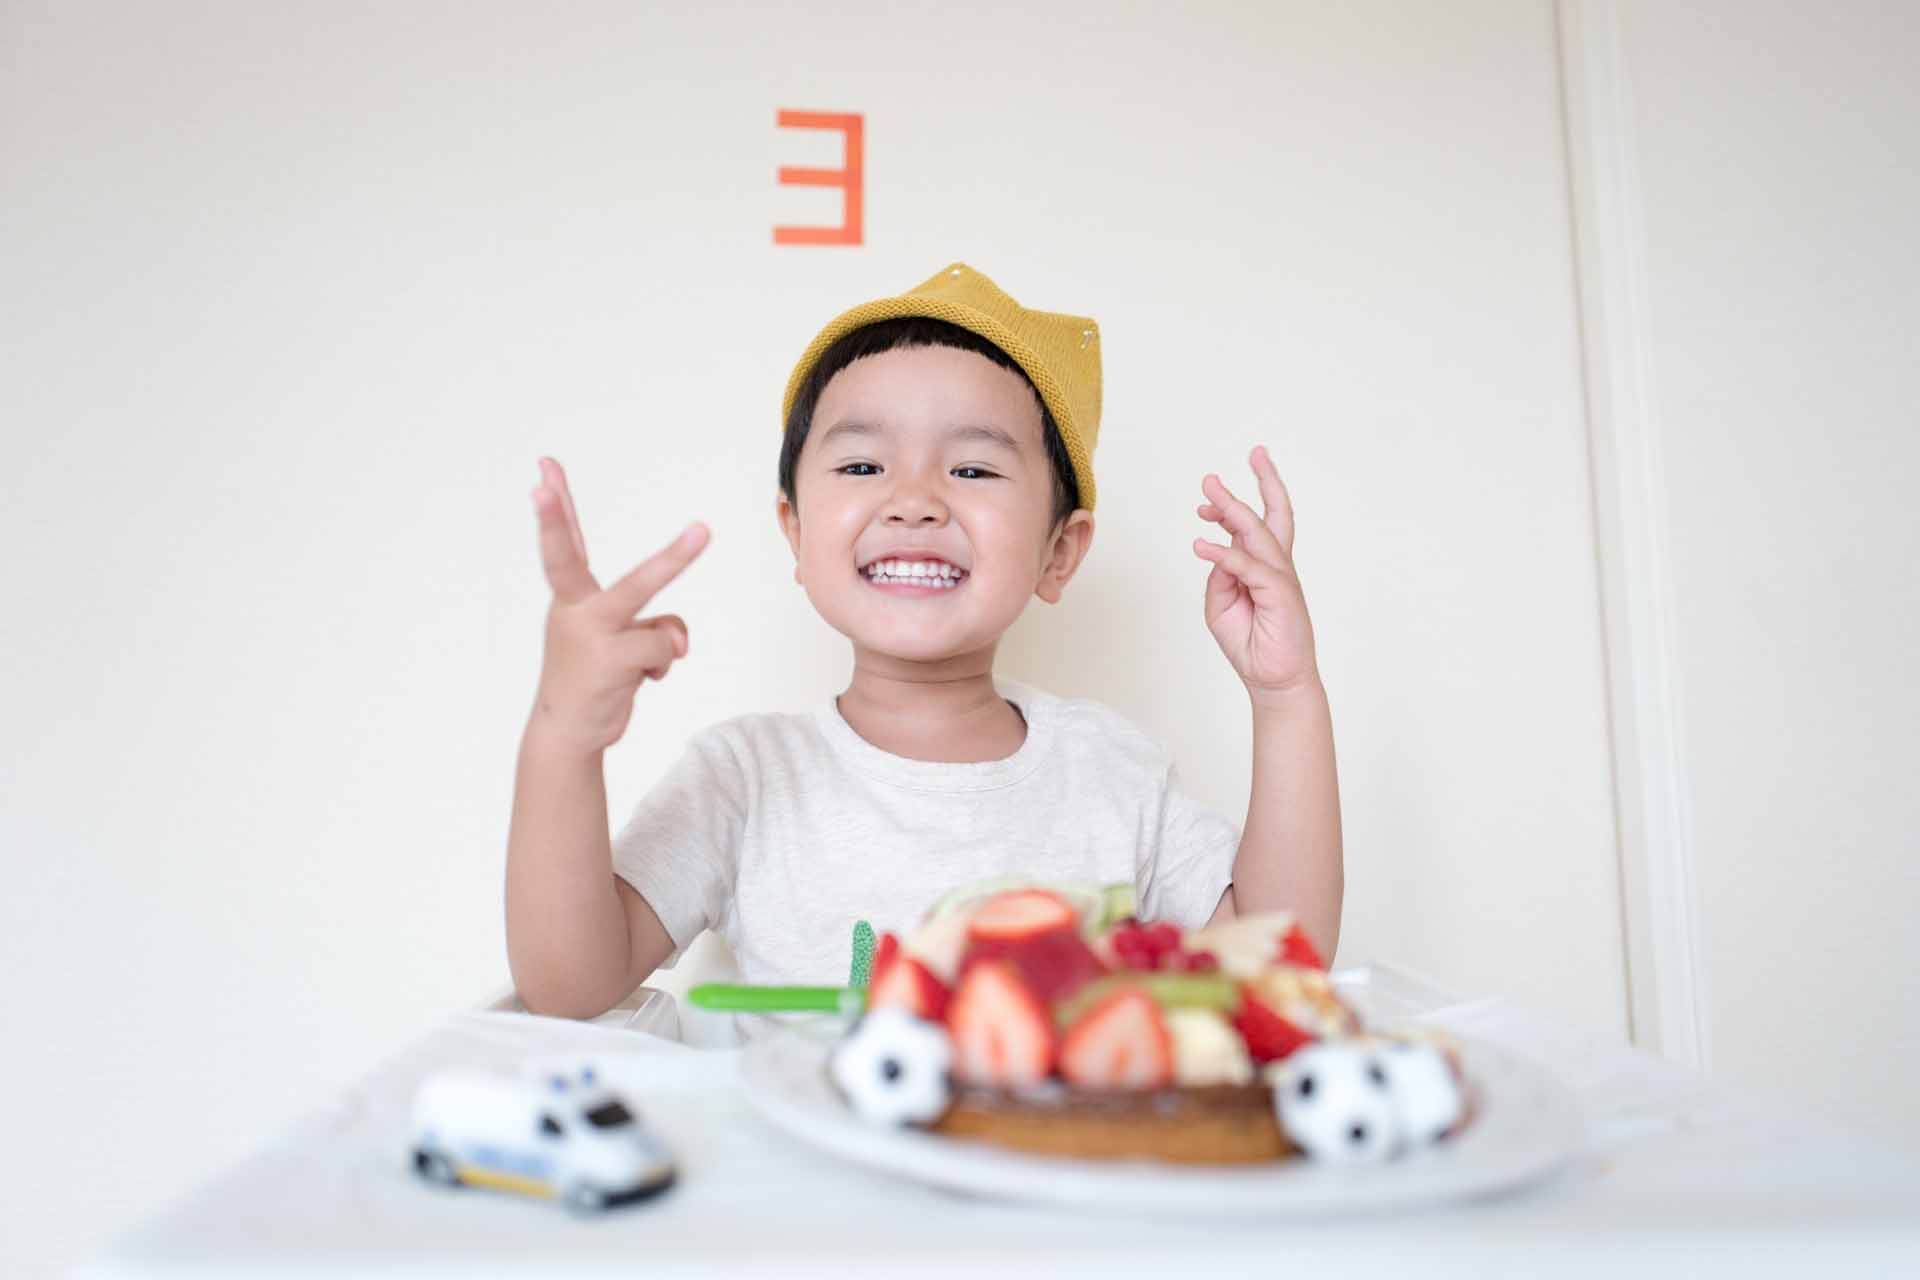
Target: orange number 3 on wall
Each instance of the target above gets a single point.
(849, 179)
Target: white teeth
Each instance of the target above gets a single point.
(920, 573)
(915, 571)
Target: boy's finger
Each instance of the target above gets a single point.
(1273, 494)
(1208, 511)
(1262, 581)
(630, 594)
(647, 651)
(673, 624)
(556, 477)
(1244, 521)
(1222, 590)
(560, 559)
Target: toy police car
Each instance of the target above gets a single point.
(563, 1135)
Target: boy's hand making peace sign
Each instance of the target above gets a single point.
(1254, 604)
(597, 653)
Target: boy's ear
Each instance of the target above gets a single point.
(1068, 548)
(788, 519)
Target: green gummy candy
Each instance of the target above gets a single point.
(862, 974)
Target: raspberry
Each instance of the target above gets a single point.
(1163, 937)
(1131, 950)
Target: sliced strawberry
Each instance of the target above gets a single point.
(1297, 948)
(1269, 1036)
(1020, 913)
(1055, 963)
(902, 982)
(888, 948)
(1002, 1034)
(1122, 1042)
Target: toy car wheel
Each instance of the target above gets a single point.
(434, 1167)
(584, 1197)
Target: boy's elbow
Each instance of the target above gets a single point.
(550, 998)
(562, 1005)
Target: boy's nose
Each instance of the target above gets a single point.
(912, 504)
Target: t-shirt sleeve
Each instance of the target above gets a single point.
(1191, 862)
(681, 847)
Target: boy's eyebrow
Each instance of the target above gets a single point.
(964, 431)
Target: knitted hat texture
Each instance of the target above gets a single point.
(1060, 353)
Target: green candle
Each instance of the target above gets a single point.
(740, 998)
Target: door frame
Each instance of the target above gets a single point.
(1659, 898)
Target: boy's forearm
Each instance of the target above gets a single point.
(1290, 852)
(567, 940)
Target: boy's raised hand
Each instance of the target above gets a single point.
(597, 653)
(1254, 605)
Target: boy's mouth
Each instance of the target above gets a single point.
(914, 577)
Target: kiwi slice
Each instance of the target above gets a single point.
(1116, 904)
(1214, 991)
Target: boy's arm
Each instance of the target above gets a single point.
(1290, 847)
(579, 938)
(1289, 856)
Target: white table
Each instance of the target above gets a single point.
(1680, 1179)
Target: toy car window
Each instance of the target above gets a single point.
(609, 1115)
(550, 1126)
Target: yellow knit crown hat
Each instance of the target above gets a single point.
(1060, 353)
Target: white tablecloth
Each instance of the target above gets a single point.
(1680, 1179)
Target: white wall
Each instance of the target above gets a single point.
(292, 297)
(1776, 146)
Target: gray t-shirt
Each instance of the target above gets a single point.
(780, 830)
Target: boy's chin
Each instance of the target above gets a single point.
(929, 654)
(901, 645)
(886, 629)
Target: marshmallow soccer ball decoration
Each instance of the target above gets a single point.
(1425, 1093)
(893, 1068)
(1365, 1099)
(1334, 1101)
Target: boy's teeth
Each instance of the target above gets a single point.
(915, 571)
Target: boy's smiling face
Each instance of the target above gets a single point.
(928, 454)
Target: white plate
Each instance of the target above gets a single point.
(1527, 1128)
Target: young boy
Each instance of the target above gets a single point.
(936, 475)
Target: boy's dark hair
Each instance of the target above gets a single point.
(917, 331)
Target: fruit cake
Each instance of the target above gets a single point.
(1049, 1019)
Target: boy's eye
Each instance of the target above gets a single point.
(980, 470)
(848, 469)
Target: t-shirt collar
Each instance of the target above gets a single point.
(939, 775)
